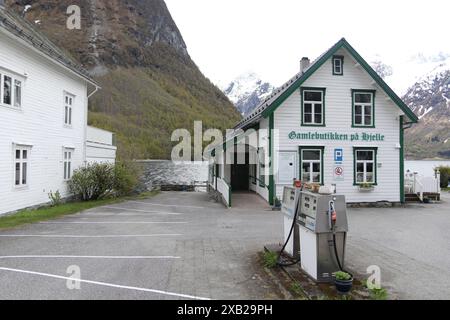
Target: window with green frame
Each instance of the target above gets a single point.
(363, 108)
(365, 165)
(313, 107)
(311, 164)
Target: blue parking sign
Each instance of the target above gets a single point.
(338, 155)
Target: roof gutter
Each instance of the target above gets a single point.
(97, 88)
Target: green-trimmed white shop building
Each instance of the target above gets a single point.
(336, 123)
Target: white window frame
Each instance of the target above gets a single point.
(67, 163)
(311, 163)
(23, 162)
(363, 109)
(68, 109)
(364, 163)
(14, 79)
(313, 108)
(341, 66)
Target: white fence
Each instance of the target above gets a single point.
(225, 190)
(420, 185)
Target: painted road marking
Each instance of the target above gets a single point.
(166, 205)
(144, 211)
(111, 222)
(82, 236)
(111, 285)
(92, 257)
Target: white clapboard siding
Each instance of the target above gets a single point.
(39, 123)
(338, 113)
(100, 146)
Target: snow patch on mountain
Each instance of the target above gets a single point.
(247, 91)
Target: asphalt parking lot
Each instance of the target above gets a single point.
(411, 246)
(185, 246)
(173, 246)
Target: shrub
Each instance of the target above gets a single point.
(55, 198)
(125, 178)
(445, 176)
(92, 182)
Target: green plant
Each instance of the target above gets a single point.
(92, 182)
(55, 198)
(445, 175)
(366, 185)
(270, 259)
(296, 288)
(379, 294)
(126, 178)
(343, 276)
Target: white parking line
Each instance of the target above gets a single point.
(91, 257)
(166, 205)
(105, 284)
(112, 222)
(82, 236)
(144, 211)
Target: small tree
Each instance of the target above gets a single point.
(445, 176)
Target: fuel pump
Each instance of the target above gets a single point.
(289, 208)
(323, 228)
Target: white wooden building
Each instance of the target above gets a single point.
(43, 110)
(336, 123)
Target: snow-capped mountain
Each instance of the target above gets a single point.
(247, 91)
(429, 98)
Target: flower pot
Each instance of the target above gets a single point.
(343, 286)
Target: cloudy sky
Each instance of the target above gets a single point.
(229, 37)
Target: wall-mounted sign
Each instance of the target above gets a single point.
(338, 155)
(338, 173)
(335, 136)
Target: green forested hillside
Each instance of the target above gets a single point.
(150, 85)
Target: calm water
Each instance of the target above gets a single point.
(425, 167)
(157, 173)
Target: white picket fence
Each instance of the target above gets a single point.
(420, 185)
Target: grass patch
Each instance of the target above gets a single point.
(47, 213)
(270, 259)
(379, 294)
(446, 189)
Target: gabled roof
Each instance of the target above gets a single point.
(281, 94)
(27, 32)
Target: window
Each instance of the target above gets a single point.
(313, 106)
(365, 166)
(338, 65)
(68, 105)
(311, 164)
(262, 168)
(17, 93)
(7, 90)
(363, 108)
(67, 164)
(21, 157)
(10, 91)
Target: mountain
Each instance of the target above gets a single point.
(150, 85)
(247, 91)
(429, 98)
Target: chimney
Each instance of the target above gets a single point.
(304, 64)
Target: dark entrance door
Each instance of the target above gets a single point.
(240, 174)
